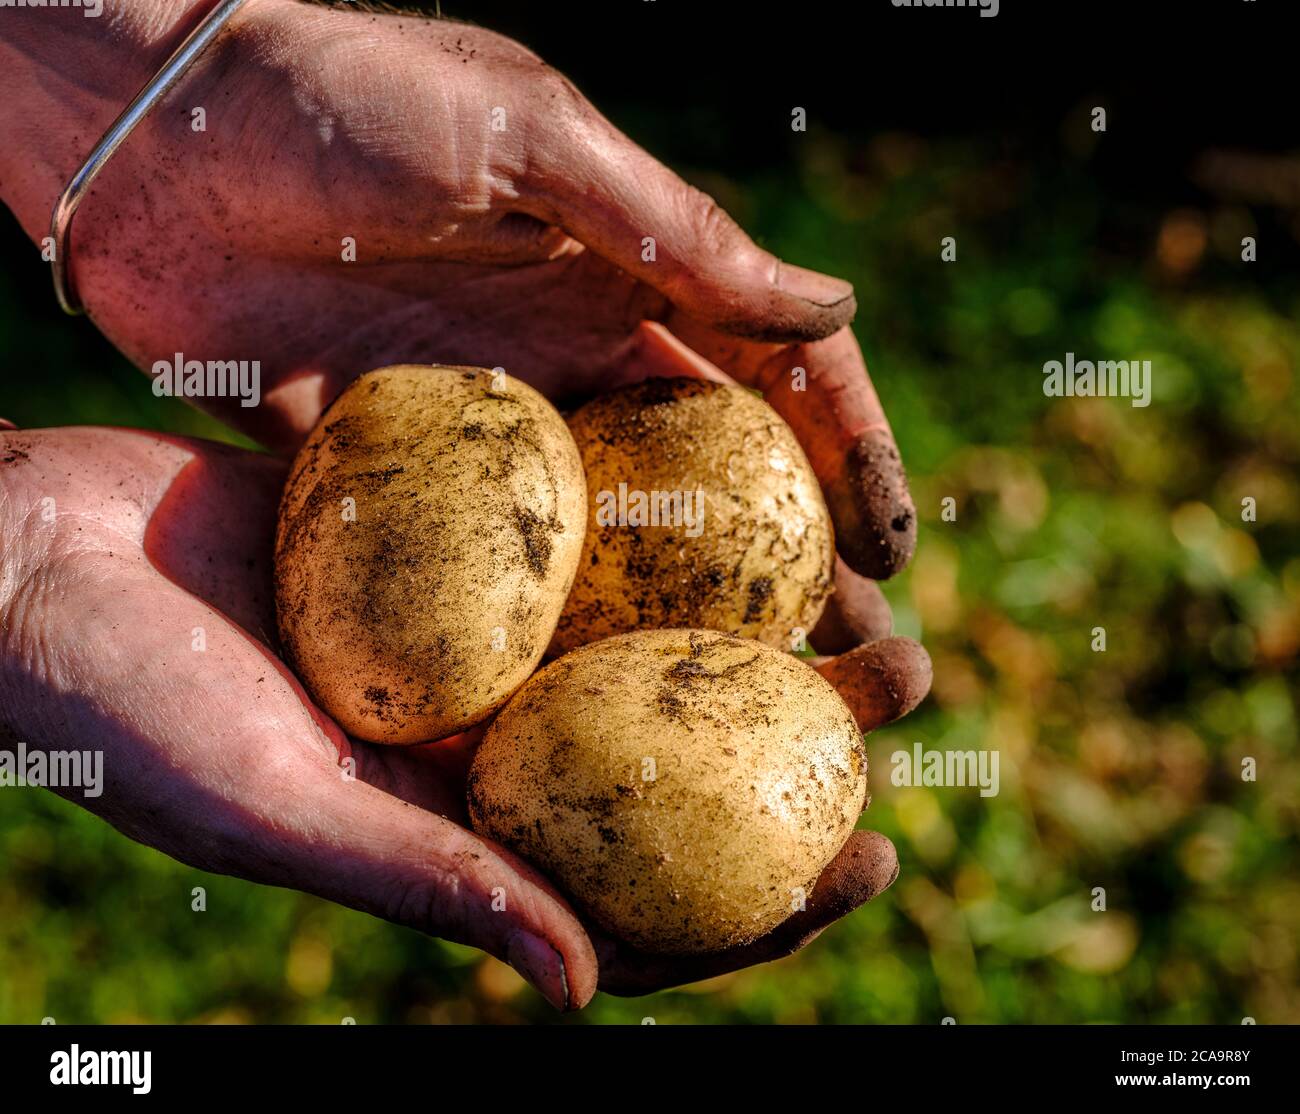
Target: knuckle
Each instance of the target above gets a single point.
(714, 230)
(414, 905)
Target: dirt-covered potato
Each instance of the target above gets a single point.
(686, 788)
(702, 512)
(428, 534)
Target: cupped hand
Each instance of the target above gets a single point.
(373, 189)
(136, 617)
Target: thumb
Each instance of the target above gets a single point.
(587, 177)
(413, 867)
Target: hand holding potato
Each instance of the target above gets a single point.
(370, 191)
(217, 757)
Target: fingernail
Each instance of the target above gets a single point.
(874, 516)
(5, 423)
(812, 286)
(541, 965)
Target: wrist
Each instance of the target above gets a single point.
(66, 75)
(85, 57)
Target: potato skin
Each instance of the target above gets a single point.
(763, 566)
(423, 615)
(760, 774)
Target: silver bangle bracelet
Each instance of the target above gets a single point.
(66, 206)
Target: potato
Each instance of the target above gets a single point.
(759, 564)
(428, 534)
(685, 788)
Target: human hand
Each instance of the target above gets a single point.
(523, 247)
(137, 618)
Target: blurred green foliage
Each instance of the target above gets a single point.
(1120, 769)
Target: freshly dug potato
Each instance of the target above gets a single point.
(686, 788)
(428, 534)
(757, 562)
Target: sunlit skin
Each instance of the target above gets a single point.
(521, 248)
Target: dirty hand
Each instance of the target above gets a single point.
(137, 619)
(372, 189)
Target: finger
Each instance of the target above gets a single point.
(865, 867)
(415, 868)
(587, 177)
(856, 612)
(880, 682)
(654, 353)
(835, 412)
